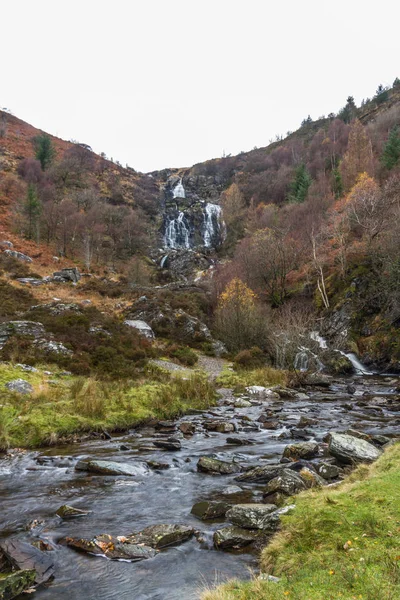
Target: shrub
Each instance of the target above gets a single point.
(185, 355)
(13, 300)
(250, 359)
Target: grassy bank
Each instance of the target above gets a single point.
(240, 379)
(73, 405)
(340, 543)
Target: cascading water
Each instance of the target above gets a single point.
(359, 368)
(317, 337)
(177, 233)
(212, 223)
(301, 361)
(179, 190)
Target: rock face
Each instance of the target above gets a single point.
(142, 327)
(23, 556)
(67, 275)
(20, 386)
(210, 510)
(106, 467)
(234, 537)
(21, 328)
(18, 255)
(254, 516)
(207, 464)
(349, 449)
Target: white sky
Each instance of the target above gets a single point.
(168, 83)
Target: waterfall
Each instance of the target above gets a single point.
(317, 337)
(163, 261)
(359, 368)
(177, 233)
(301, 361)
(179, 190)
(212, 223)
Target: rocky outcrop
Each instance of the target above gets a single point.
(18, 256)
(20, 328)
(107, 467)
(141, 327)
(349, 449)
(67, 275)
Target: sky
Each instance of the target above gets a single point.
(169, 83)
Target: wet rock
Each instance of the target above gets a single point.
(306, 422)
(142, 327)
(124, 447)
(284, 392)
(262, 474)
(261, 392)
(242, 403)
(234, 537)
(171, 443)
(68, 512)
(271, 425)
(158, 466)
(349, 449)
(358, 434)
(231, 490)
(162, 535)
(18, 255)
(254, 516)
(13, 584)
(20, 386)
(210, 510)
(114, 548)
(187, 428)
(238, 441)
(380, 440)
(328, 471)
(287, 483)
(22, 555)
(219, 426)
(351, 389)
(301, 450)
(300, 434)
(207, 464)
(107, 467)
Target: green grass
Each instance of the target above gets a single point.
(77, 404)
(265, 376)
(340, 543)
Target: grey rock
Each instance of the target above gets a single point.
(210, 510)
(288, 482)
(169, 444)
(20, 386)
(262, 474)
(162, 535)
(21, 328)
(234, 537)
(301, 450)
(18, 255)
(239, 441)
(23, 556)
(230, 490)
(219, 426)
(142, 327)
(349, 449)
(68, 275)
(254, 516)
(328, 471)
(207, 464)
(106, 467)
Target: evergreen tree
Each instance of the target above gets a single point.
(44, 150)
(32, 210)
(396, 83)
(337, 183)
(300, 184)
(391, 152)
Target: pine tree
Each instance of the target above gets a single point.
(300, 184)
(391, 152)
(44, 150)
(337, 183)
(32, 210)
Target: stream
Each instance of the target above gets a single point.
(33, 485)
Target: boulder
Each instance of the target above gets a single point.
(288, 482)
(22, 555)
(169, 444)
(68, 512)
(162, 535)
(262, 474)
(187, 428)
(68, 275)
(349, 449)
(311, 478)
(238, 441)
(20, 328)
(301, 450)
(210, 510)
(254, 516)
(242, 403)
(142, 328)
(230, 490)
(208, 464)
(234, 537)
(114, 548)
(18, 255)
(328, 471)
(158, 466)
(219, 426)
(262, 393)
(20, 386)
(13, 584)
(107, 467)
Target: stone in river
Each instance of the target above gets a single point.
(254, 516)
(263, 474)
(114, 548)
(210, 510)
(349, 449)
(301, 450)
(13, 584)
(207, 464)
(22, 555)
(162, 535)
(168, 444)
(68, 512)
(107, 467)
(234, 537)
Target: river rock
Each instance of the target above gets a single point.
(22, 555)
(311, 478)
(187, 428)
(13, 584)
(262, 474)
(169, 444)
(242, 403)
(327, 470)
(210, 510)
(219, 426)
(349, 449)
(68, 512)
(20, 386)
(155, 464)
(162, 535)
(208, 464)
(114, 548)
(238, 441)
(234, 537)
(288, 482)
(254, 516)
(261, 392)
(230, 490)
(301, 450)
(107, 467)
(358, 434)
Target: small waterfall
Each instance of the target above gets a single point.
(301, 361)
(177, 233)
(212, 223)
(163, 261)
(317, 337)
(359, 368)
(179, 190)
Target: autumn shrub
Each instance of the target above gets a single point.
(13, 300)
(183, 354)
(250, 359)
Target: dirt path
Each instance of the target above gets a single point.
(211, 365)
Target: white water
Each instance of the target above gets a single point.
(163, 260)
(301, 361)
(177, 233)
(317, 337)
(359, 368)
(179, 190)
(212, 223)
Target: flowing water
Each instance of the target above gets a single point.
(32, 487)
(212, 223)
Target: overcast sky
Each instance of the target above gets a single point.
(168, 83)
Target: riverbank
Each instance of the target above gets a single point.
(340, 542)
